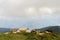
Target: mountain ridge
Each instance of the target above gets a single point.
(55, 29)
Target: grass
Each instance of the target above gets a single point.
(29, 36)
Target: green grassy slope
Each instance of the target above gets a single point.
(29, 36)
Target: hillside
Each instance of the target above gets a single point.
(29, 36)
(55, 35)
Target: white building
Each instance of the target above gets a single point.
(25, 29)
(6, 33)
(28, 31)
(18, 31)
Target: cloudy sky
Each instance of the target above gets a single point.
(29, 13)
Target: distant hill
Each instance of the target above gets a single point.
(55, 29)
(2, 30)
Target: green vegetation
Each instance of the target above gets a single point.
(30, 36)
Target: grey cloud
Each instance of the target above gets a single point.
(16, 8)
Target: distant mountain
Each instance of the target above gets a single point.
(55, 29)
(3, 30)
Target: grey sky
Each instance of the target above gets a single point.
(21, 13)
(20, 8)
